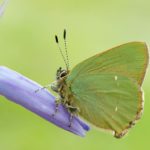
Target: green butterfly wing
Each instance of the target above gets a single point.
(107, 87)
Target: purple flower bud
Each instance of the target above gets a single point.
(21, 90)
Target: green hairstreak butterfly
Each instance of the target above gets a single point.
(105, 89)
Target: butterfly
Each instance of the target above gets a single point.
(105, 89)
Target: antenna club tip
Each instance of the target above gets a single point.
(64, 33)
(56, 38)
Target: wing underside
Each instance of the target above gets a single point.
(107, 87)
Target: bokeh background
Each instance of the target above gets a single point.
(27, 45)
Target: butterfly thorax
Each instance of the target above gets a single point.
(65, 96)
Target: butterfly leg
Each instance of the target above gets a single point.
(71, 120)
(73, 112)
(42, 88)
(57, 103)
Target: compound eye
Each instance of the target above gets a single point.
(63, 74)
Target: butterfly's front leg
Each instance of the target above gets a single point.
(58, 101)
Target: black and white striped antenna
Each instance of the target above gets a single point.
(66, 50)
(61, 52)
(65, 57)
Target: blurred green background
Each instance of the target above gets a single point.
(27, 45)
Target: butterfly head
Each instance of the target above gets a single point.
(61, 73)
(60, 77)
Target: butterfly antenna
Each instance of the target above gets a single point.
(56, 39)
(66, 51)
